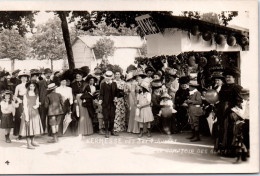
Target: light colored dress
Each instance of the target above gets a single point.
(133, 126)
(146, 114)
(172, 86)
(34, 126)
(120, 113)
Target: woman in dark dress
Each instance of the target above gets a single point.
(229, 97)
(84, 125)
(181, 96)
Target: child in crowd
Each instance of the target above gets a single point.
(54, 105)
(7, 114)
(145, 116)
(166, 112)
(99, 114)
(241, 128)
(31, 123)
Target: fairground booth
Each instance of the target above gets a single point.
(196, 48)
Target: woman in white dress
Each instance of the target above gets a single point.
(67, 97)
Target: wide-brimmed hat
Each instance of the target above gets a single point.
(32, 82)
(156, 84)
(15, 72)
(244, 92)
(51, 86)
(67, 75)
(6, 92)
(131, 68)
(149, 69)
(145, 84)
(56, 72)
(2, 74)
(172, 73)
(89, 77)
(35, 72)
(78, 71)
(233, 71)
(184, 80)
(129, 76)
(85, 70)
(159, 73)
(24, 73)
(166, 95)
(47, 70)
(140, 73)
(97, 71)
(108, 74)
(217, 75)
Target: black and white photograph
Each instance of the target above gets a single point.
(129, 87)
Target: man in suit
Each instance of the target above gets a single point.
(43, 84)
(107, 94)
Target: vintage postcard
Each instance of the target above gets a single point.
(129, 87)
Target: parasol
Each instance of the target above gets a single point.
(66, 122)
(211, 121)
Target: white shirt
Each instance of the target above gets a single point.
(20, 90)
(66, 93)
(7, 108)
(92, 89)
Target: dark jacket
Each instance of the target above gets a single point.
(107, 95)
(54, 104)
(156, 107)
(87, 101)
(180, 96)
(43, 85)
(78, 87)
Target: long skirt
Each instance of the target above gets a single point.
(17, 118)
(119, 122)
(133, 126)
(33, 126)
(85, 126)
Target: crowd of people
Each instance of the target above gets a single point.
(139, 102)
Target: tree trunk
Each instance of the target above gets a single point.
(51, 64)
(66, 37)
(12, 65)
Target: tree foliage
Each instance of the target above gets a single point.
(227, 16)
(210, 17)
(13, 45)
(104, 48)
(47, 42)
(120, 20)
(102, 29)
(23, 21)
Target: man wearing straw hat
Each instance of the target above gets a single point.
(107, 94)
